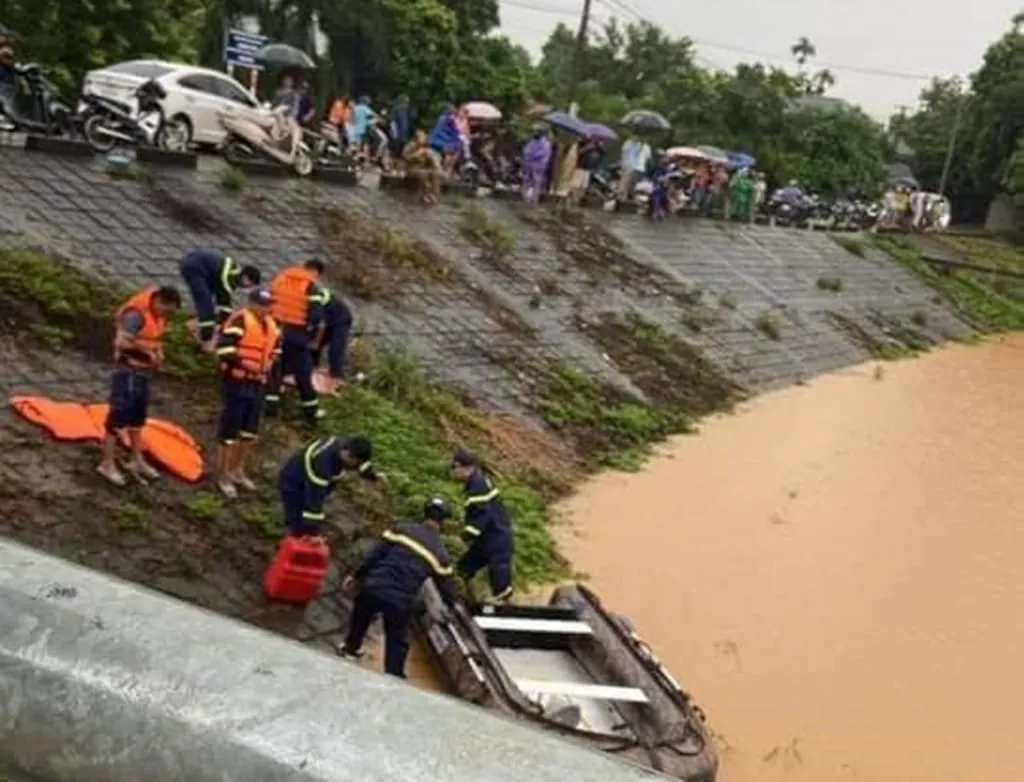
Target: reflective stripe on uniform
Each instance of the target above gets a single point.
(225, 275)
(469, 529)
(419, 550)
(477, 499)
(313, 515)
(313, 450)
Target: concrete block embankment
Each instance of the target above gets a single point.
(101, 681)
(751, 297)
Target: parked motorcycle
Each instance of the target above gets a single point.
(108, 122)
(328, 147)
(276, 138)
(789, 208)
(47, 115)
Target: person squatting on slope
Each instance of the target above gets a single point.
(212, 277)
(247, 349)
(388, 583)
(312, 472)
(337, 325)
(138, 352)
(298, 306)
(487, 528)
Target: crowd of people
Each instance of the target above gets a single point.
(282, 330)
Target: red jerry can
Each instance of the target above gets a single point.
(298, 569)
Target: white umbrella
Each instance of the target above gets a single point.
(678, 152)
(482, 111)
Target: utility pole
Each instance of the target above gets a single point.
(577, 58)
(952, 146)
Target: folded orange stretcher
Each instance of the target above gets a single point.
(165, 443)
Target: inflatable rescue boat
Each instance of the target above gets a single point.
(573, 668)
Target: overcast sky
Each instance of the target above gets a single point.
(908, 37)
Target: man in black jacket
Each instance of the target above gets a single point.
(389, 582)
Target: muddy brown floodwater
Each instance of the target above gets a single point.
(837, 572)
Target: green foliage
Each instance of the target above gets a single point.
(974, 296)
(991, 125)
(851, 244)
(490, 235)
(611, 429)
(60, 307)
(614, 429)
(203, 506)
(131, 517)
(411, 422)
(72, 38)
(232, 178)
(769, 324)
(834, 284)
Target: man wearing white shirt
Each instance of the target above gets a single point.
(636, 156)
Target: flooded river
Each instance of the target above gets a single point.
(837, 572)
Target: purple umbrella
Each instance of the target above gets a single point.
(601, 132)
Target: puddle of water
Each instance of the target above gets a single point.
(837, 572)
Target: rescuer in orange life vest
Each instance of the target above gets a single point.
(298, 306)
(138, 352)
(247, 348)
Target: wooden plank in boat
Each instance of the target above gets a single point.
(521, 625)
(601, 692)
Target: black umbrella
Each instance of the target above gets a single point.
(282, 55)
(642, 119)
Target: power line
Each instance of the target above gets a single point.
(541, 8)
(622, 7)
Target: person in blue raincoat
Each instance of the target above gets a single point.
(486, 528)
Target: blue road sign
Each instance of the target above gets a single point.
(240, 47)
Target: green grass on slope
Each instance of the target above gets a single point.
(988, 303)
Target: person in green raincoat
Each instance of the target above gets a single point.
(740, 202)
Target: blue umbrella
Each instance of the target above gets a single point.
(742, 159)
(568, 123)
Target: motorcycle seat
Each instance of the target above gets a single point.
(102, 100)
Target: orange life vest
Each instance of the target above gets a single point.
(290, 292)
(143, 355)
(255, 347)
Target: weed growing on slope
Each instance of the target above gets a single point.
(609, 427)
(974, 297)
(834, 284)
(232, 178)
(851, 244)
(415, 425)
(614, 429)
(672, 374)
(489, 235)
(57, 305)
(896, 341)
(374, 261)
(769, 324)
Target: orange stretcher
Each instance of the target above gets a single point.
(167, 444)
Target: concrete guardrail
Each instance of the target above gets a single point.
(103, 681)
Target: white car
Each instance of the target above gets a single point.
(195, 95)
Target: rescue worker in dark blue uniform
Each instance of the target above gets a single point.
(487, 528)
(337, 325)
(298, 306)
(310, 475)
(212, 277)
(389, 582)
